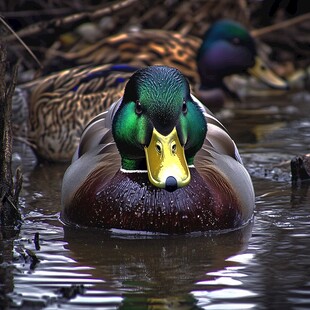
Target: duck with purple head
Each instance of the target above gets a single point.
(228, 49)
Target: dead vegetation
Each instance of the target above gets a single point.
(48, 27)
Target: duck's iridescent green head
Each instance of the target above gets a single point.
(159, 127)
(228, 48)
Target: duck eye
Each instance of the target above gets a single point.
(184, 107)
(138, 107)
(236, 41)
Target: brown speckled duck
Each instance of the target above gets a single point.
(60, 106)
(157, 160)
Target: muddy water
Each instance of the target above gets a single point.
(263, 266)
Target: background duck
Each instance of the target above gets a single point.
(157, 160)
(60, 105)
(227, 48)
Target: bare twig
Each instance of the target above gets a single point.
(280, 25)
(27, 13)
(21, 42)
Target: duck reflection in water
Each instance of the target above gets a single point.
(154, 268)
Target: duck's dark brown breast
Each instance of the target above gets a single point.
(129, 201)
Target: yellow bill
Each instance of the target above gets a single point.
(166, 163)
(263, 73)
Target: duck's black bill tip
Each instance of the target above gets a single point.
(171, 184)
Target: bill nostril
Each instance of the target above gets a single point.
(158, 148)
(173, 148)
(171, 184)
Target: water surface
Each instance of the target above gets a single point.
(266, 265)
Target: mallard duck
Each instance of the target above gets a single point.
(157, 160)
(227, 48)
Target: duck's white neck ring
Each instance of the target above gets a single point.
(132, 171)
(143, 171)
